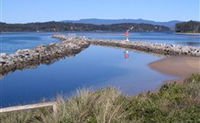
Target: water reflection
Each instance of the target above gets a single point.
(126, 54)
(189, 43)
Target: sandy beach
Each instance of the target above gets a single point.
(177, 66)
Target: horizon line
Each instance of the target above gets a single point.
(93, 18)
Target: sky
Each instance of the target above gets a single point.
(23, 11)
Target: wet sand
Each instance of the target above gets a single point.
(177, 66)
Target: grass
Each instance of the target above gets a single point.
(174, 102)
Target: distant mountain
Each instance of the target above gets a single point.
(170, 24)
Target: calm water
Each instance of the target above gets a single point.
(96, 67)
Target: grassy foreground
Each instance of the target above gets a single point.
(172, 103)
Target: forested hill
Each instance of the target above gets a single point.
(61, 26)
(188, 27)
(95, 21)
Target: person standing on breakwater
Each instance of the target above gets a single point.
(126, 53)
(126, 35)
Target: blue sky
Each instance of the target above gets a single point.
(21, 11)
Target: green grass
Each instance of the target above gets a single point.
(173, 102)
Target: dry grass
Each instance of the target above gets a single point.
(103, 106)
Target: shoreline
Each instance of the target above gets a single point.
(181, 67)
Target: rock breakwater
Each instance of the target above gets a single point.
(44, 54)
(70, 46)
(156, 48)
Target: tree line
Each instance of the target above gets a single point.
(63, 26)
(188, 27)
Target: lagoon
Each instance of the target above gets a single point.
(96, 67)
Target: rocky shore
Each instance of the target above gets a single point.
(44, 54)
(156, 48)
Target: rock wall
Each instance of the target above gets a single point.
(44, 54)
(156, 48)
